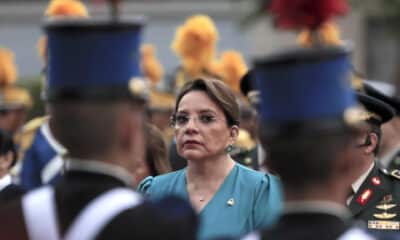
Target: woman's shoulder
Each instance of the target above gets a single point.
(250, 175)
(161, 181)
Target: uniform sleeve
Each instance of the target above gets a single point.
(145, 185)
(30, 170)
(268, 202)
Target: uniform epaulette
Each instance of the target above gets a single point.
(28, 133)
(395, 173)
(34, 124)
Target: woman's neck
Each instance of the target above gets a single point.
(203, 172)
(205, 177)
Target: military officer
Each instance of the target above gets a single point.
(254, 156)
(375, 193)
(389, 153)
(97, 105)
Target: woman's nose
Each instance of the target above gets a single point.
(191, 125)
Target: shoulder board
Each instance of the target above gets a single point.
(28, 133)
(395, 173)
(34, 124)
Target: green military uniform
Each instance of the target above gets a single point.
(248, 158)
(392, 159)
(377, 201)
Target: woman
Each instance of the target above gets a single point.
(230, 199)
(156, 162)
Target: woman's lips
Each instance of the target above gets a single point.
(191, 143)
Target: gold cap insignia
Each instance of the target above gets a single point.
(138, 87)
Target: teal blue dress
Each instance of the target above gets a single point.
(247, 200)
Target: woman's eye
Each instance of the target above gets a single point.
(206, 119)
(182, 119)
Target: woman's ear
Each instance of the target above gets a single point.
(234, 133)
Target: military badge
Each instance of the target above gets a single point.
(376, 181)
(395, 173)
(364, 197)
(385, 205)
(385, 215)
(384, 225)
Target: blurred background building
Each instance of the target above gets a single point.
(376, 50)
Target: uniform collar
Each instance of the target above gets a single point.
(320, 207)
(357, 184)
(92, 166)
(371, 192)
(45, 129)
(5, 181)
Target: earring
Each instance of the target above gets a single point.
(229, 148)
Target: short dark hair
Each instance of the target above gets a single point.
(376, 128)
(7, 145)
(87, 129)
(218, 92)
(304, 160)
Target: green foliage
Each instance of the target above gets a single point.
(34, 87)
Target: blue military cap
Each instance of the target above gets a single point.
(307, 86)
(91, 59)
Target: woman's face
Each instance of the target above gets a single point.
(201, 128)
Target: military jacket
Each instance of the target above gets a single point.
(377, 200)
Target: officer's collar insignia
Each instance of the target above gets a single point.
(365, 197)
(395, 173)
(385, 205)
(376, 181)
(384, 225)
(385, 215)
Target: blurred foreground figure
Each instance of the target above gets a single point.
(97, 107)
(40, 153)
(316, 125)
(308, 119)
